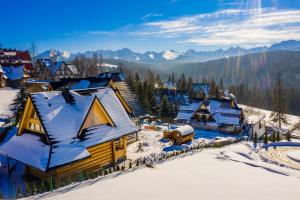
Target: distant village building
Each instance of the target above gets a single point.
(200, 90)
(257, 123)
(47, 69)
(34, 85)
(174, 96)
(63, 133)
(186, 112)
(15, 66)
(221, 114)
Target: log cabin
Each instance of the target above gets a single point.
(180, 135)
(217, 114)
(62, 133)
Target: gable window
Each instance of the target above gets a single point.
(96, 116)
(34, 123)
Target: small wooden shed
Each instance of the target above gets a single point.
(180, 135)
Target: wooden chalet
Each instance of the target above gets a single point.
(47, 69)
(63, 133)
(180, 135)
(222, 114)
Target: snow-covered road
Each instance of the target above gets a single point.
(285, 155)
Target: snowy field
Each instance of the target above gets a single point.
(7, 96)
(234, 172)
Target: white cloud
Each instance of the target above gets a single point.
(249, 27)
(149, 15)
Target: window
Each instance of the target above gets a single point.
(120, 144)
(34, 123)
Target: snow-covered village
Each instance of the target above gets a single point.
(167, 99)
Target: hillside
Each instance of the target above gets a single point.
(258, 69)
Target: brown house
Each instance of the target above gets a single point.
(46, 69)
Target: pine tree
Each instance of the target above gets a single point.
(288, 136)
(266, 138)
(279, 104)
(212, 91)
(273, 137)
(221, 84)
(158, 81)
(164, 107)
(277, 136)
(190, 87)
(173, 79)
(255, 139)
(18, 104)
(151, 96)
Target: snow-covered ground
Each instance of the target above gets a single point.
(151, 142)
(233, 172)
(7, 96)
(258, 113)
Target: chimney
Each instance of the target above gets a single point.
(65, 91)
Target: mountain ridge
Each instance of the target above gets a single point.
(191, 55)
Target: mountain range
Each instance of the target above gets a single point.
(172, 56)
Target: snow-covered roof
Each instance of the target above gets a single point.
(13, 72)
(83, 84)
(27, 149)
(223, 113)
(62, 122)
(185, 130)
(73, 68)
(53, 67)
(186, 112)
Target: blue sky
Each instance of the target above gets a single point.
(141, 25)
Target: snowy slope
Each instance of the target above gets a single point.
(234, 173)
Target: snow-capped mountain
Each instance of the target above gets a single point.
(59, 55)
(172, 55)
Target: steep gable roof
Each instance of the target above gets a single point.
(224, 113)
(62, 122)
